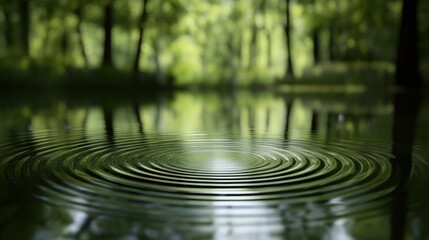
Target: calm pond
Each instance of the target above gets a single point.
(188, 165)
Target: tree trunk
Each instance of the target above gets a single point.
(24, 11)
(287, 29)
(316, 46)
(78, 13)
(7, 27)
(108, 25)
(407, 64)
(140, 41)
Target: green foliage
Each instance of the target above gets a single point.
(205, 42)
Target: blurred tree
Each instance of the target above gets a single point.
(268, 28)
(223, 42)
(362, 30)
(64, 42)
(316, 45)
(287, 30)
(407, 64)
(162, 34)
(108, 26)
(315, 36)
(78, 11)
(49, 8)
(315, 21)
(7, 7)
(257, 9)
(142, 23)
(24, 14)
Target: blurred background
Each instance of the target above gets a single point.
(208, 42)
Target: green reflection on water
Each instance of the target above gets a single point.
(207, 165)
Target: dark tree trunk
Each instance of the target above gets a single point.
(7, 27)
(79, 15)
(24, 12)
(316, 46)
(140, 41)
(108, 25)
(407, 64)
(406, 107)
(287, 29)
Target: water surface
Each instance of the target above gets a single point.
(207, 165)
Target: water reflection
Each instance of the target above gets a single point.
(215, 166)
(405, 115)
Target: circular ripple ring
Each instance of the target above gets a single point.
(201, 177)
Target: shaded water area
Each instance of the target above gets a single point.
(239, 165)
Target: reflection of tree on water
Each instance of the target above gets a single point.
(83, 221)
(136, 111)
(287, 119)
(314, 122)
(251, 122)
(108, 124)
(96, 225)
(407, 107)
(16, 203)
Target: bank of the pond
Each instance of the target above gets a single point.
(325, 78)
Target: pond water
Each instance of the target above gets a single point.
(239, 165)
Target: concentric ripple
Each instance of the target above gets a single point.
(198, 178)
